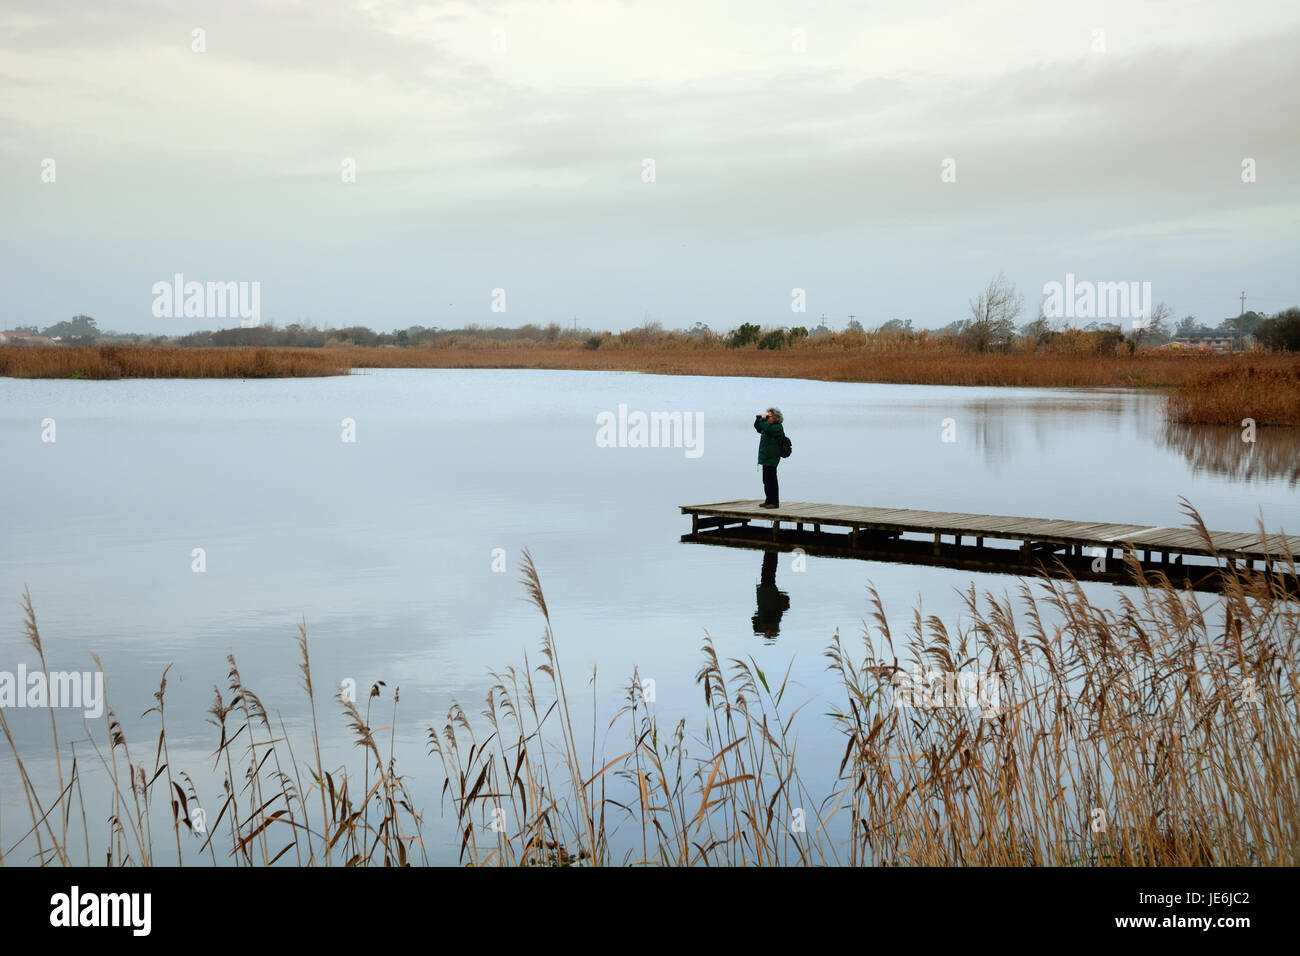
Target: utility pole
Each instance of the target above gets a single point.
(1241, 324)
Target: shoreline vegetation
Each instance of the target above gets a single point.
(1155, 734)
(1208, 388)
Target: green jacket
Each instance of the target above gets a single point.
(769, 445)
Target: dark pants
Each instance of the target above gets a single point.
(773, 495)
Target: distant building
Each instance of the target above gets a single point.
(24, 338)
(1216, 339)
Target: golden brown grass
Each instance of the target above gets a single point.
(1268, 393)
(927, 367)
(1152, 734)
(874, 359)
(145, 361)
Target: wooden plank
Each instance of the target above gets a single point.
(1082, 531)
(835, 514)
(1068, 528)
(1273, 542)
(812, 511)
(1277, 544)
(1178, 541)
(884, 514)
(966, 521)
(1100, 532)
(1103, 532)
(1154, 532)
(1228, 541)
(1031, 527)
(1000, 524)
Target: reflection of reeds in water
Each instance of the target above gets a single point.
(1221, 450)
(1153, 734)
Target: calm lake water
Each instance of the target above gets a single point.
(385, 545)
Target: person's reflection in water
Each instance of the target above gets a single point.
(772, 602)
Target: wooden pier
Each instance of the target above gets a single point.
(999, 543)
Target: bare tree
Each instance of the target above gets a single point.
(1037, 332)
(1152, 329)
(993, 315)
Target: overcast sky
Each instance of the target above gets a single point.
(504, 146)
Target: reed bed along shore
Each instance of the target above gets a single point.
(1211, 389)
(147, 361)
(1153, 734)
(915, 367)
(935, 364)
(1265, 394)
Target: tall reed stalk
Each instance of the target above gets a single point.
(1152, 733)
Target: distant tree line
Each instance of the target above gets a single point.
(990, 326)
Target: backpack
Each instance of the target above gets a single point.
(787, 446)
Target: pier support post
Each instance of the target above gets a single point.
(936, 542)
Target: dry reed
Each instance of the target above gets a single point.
(882, 359)
(1269, 394)
(934, 366)
(1155, 733)
(262, 801)
(143, 361)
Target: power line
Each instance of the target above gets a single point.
(1241, 323)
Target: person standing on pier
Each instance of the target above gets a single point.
(770, 432)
